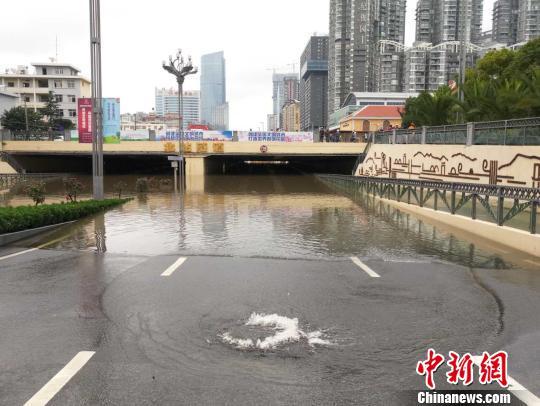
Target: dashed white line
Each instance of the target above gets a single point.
(365, 268)
(60, 379)
(519, 391)
(16, 254)
(174, 267)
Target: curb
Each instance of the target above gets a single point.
(21, 235)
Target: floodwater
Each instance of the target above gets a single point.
(268, 308)
(274, 216)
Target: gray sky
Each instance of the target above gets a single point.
(256, 36)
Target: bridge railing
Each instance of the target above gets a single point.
(524, 131)
(500, 204)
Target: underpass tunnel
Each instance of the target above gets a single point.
(148, 164)
(215, 165)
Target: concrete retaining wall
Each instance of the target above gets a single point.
(510, 237)
(497, 164)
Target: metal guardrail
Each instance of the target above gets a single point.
(9, 180)
(419, 192)
(524, 131)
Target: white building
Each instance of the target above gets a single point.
(167, 104)
(33, 87)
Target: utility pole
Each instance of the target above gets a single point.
(26, 117)
(97, 108)
(180, 69)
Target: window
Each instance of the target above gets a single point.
(59, 71)
(27, 99)
(43, 98)
(72, 113)
(58, 84)
(44, 71)
(10, 84)
(43, 83)
(72, 99)
(71, 84)
(26, 84)
(59, 98)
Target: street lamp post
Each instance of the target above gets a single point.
(180, 69)
(97, 113)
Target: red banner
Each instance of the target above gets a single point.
(85, 120)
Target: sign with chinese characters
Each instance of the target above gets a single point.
(84, 113)
(111, 120)
(266, 136)
(195, 135)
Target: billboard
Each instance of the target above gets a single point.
(134, 135)
(84, 114)
(195, 135)
(279, 136)
(111, 120)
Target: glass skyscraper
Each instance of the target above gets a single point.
(214, 107)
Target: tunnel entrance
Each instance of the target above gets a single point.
(214, 165)
(279, 164)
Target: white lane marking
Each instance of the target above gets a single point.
(532, 262)
(519, 391)
(16, 254)
(365, 268)
(174, 267)
(60, 379)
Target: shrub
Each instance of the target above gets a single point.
(73, 187)
(20, 218)
(141, 186)
(36, 191)
(119, 187)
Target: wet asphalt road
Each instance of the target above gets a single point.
(157, 338)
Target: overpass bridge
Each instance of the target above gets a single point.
(201, 157)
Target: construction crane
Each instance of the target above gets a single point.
(277, 68)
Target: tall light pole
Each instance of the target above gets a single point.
(465, 40)
(180, 69)
(97, 110)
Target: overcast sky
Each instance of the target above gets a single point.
(256, 35)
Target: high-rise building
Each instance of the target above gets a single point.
(291, 116)
(286, 87)
(62, 79)
(424, 20)
(505, 21)
(356, 27)
(272, 122)
(314, 83)
(439, 21)
(441, 25)
(528, 20)
(214, 108)
(167, 104)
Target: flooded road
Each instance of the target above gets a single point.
(265, 305)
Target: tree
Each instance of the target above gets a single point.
(431, 109)
(495, 64)
(73, 187)
(36, 191)
(119, 187)
(15, 119)
(52, 111)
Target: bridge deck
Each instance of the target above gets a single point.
(194, 148)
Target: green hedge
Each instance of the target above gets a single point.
(20, 218)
